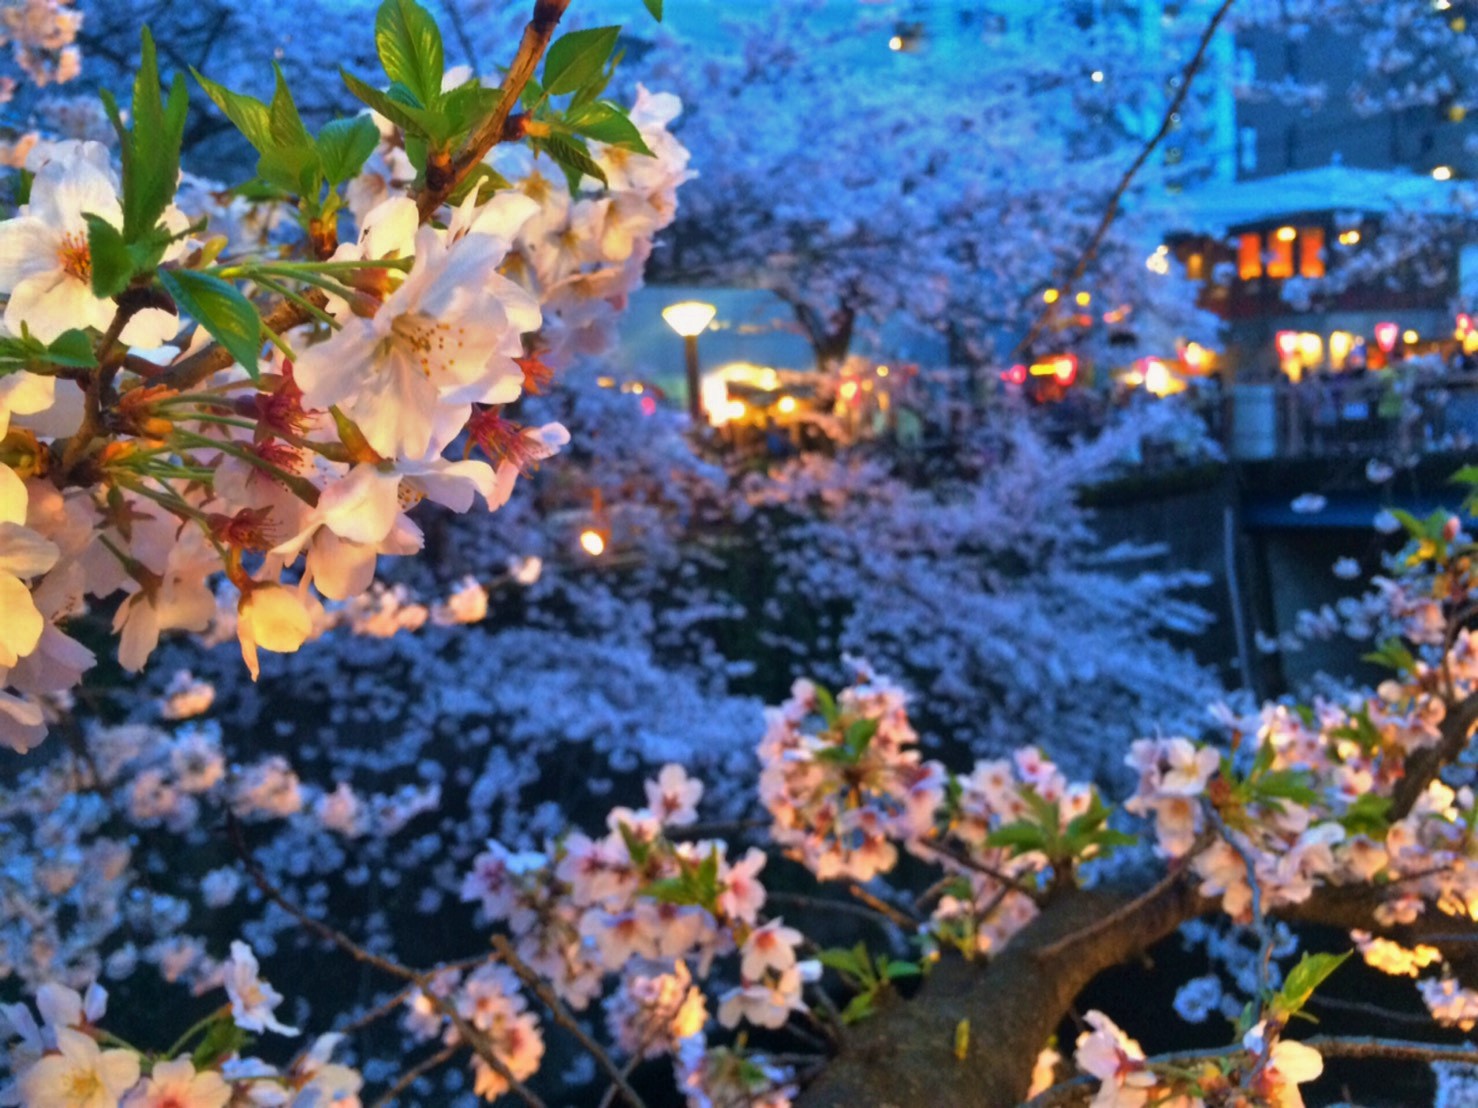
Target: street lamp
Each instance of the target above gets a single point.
(690, 319)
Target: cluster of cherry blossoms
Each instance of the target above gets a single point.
(149, 450)
(68, 1060)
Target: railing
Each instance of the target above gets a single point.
(1330, 416)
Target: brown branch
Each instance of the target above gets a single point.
(475, 1039)
(441, 183)
(828, 904)
(1111, 211)
(1423, 766)
(562, 1016)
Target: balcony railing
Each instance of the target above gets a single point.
(1331, 416)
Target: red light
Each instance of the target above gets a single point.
(1016, 375)
(1287, 343)
(1464, 325)
(1386, 335)
(849, 391)
(648, 405)
(1065, 369)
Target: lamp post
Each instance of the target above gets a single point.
(690, 319)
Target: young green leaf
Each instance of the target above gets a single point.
(284, 123)
(72, 348)
(1311, 972)
(112, 267)
(1021, 837)
(410, 119)
(605, 122)
(149, 149)
(577, 58)
(251, 117)
(230, 317)
(344, 145)
(410, 48)
(655, 7)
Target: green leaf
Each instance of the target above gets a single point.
(344, 145)
(468, 105)
(858, 1008)
(826, 704)
(285, 124)
(1393, 654)
(605, 122)
(221, 309)
(410, 48)
(410, 119)
(1468, 475)
(655, 7)
(150, 148)
(221, 1040)
(294, 169)
(251, 117)
(1287, 784)
(1311, 972)
(1021, 837)
(577, 58)
(484, 179)
(1367, 815)
(859, 734)
(112, 266)
(894, 970)
(842, 960)
(72, 348)
(639, 849)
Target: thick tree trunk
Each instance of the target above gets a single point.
(830, 336)
(904, 1056)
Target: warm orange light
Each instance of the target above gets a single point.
(1016, 375)
(1050, 296)
(1287, 343)
(592, 542)
(849, 391)
(882, 371)
(786, 405)
(1084, 299)
(1385, 336)
(736, 409)
(1349, 238)
(1194, 356)
(1410, 338)
(1286, 234)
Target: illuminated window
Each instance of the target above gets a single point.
(1195, 266)
(1249, 256)
(1311, 252)
(1280, 257)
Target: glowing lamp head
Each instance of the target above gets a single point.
(1065, 369)
(1287, 344)
(690, 318)
(786, 405)
(1464, 325)
(849, 391)
(1286, 234)
(736, 409)
(1442, 173)
(1016, 375)
(1050, 296)
(1410, 338)
(1386, 335)
(592, 542)
(1194, 356)
(1084, 299)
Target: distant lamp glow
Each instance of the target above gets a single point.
(691, 318)
(1084, 299)
(1410, 338)
(1065, 369)
(895, 43)
(786, 405)
(592, 542)
(1157, 377)
(1286, 234)
(882, 371)
(1349, 238)
(849, 391)
(715, 396)
(1194, 356)
(1097, 76)
(1385, 336)
(1050, 296)
(1464, 326)
(1159, 261)
(1340, 345)
(1287, 344)
(1442, 173)
(736, 409)
(1016, 375)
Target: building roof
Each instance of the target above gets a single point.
(1333, 188)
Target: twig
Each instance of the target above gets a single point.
(563, 1017)
(1259, 921)
(475, 1039)
(1012, 883)
(896, 916)
(494, 129)
(1111, 211)
(827, 904)
(410, 1076)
